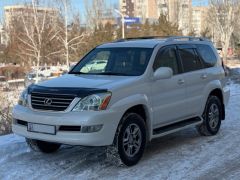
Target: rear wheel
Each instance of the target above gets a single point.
(212, 117)
(42, 146)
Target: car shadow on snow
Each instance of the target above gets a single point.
(172, 141)
(91, 162)
(77, 158)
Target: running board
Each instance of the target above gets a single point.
(176, 126)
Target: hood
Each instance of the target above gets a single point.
(88, 81)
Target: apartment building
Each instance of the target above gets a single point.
(184, 9)
(199, 14)
(177, 11)
(15, 12)
(138, 8)
(127, 7)
(3, 37)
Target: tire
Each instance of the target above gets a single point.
(42, 146)
(212, 117)
(130, 139)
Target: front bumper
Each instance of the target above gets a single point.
(109, 119)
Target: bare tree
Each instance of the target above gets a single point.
(69, 40)
(95, 10)
(37, 31)
(224, 17)
(174, 11)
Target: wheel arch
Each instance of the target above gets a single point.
(218, 93)
(142, 110)
(138, 103)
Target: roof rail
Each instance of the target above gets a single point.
(144, 37)
(188, 38)
(167, 38)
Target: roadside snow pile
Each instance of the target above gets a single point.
(8, 100)
(182, 155)
(233, 63)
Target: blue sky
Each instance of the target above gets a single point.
(79, 4)
(76, 5)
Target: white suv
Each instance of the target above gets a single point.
(148, 88)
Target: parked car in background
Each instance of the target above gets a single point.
(96, 65)
(45, 71)
(31, 78)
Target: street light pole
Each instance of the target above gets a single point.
(123, 22)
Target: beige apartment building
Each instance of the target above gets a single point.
(12, 13)
(199, 21)
(16, 12)
(141, 8)
(178, 11)
(138, 8)
(2, 36)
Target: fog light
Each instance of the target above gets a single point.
(91, 129)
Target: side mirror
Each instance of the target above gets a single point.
(163, 73)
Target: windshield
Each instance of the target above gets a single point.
(114, 61)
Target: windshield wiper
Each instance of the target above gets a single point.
(103, 73)
(71, 72)
(113, 73)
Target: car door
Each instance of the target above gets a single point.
(168, 95)
(195, 78)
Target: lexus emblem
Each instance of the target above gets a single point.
(47, 101)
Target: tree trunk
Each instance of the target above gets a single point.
(66, 34)
(67, 57)
(37, 72)
(226, 37)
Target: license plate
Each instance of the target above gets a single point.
(41, 128)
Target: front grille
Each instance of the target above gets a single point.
(48, 101)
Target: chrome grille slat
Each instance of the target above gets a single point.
(49, 105)
(36, 101)
(51, 98)
(33, 100)
(59, 102)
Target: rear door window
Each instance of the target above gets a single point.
(207, 55)
(190, 61)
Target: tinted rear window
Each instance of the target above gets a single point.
(207, 55)
(189, 60)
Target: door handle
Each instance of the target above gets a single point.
(203, 76)
(181, 81)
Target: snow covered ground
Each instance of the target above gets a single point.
(182, 155)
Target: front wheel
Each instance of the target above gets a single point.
(42, 146)
(212, 117)
(131, 139)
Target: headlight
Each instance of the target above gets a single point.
(23, 99)
(95, 102)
